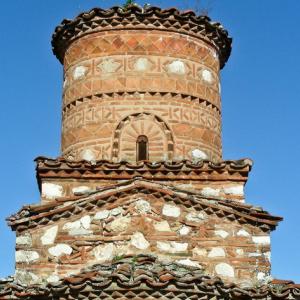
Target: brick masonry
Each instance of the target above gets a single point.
(121, 85)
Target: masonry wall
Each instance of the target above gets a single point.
(140, 223)
(122, 84)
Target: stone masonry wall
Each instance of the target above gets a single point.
(143, 224)
(119, 85)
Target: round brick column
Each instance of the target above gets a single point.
(133, 73)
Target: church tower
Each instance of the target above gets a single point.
(140, 203)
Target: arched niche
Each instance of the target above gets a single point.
(156, 133)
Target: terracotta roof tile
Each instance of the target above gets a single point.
(144, 276)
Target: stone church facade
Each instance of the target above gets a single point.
(140, 204)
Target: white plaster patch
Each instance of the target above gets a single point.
(26, 278)
(88, 155)
(176, 67)
(142, 206)
(51, 190)
(210, 192)
(120, 224)
(217, 252)
(184, 230)
(221, 233)
(142, 64)
(60, 249)
(262, 240)
(24, 240)
(224, 269)
(49, 236)
(198, 154)
(26, 256)
(79, 72)
(104, 253)
(109, 66)
(81, 190)
(207, 76)
(171, 211)
(138, 241)
(195, 217)
(237, 190)
(199, 252)
(162, 226)
(243, 232)
(189, 263)
(101, 215)
(52, 278)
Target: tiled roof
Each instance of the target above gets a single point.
(175, 170)
(35, 215)
(144, 277)
(134, 17)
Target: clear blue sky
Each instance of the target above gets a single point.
(261, 103)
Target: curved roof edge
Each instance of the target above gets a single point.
(135, 17)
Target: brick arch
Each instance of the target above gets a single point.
(161, 142)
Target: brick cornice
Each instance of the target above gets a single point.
(136, 18)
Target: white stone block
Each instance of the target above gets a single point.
(26, 278)
(210, 192)
(49, 236)
(189, 263)
(243, 232)
(81, 190)
(262, 240)
(221, 233)
(79, 72)
(85, 222)
(138, 241)
(52, 278)
(237, 190)
(225, 270)
(171, 210)
(24, 240)
(199, 252)
(72, 225)
(104, 253)
(101, 215)
(142, 64)
(184, 230)
(239, 251)
(163, 246)
(120, 224)
(207, 76)
(116, 211)
(162, 226)
(88, 155)
(217, 252)
(195, 217)
(24, 256)
(80, 231)
(198, 154)
(178, 247)
(177, 67)
(51, 190)
(142, 206)
(60, 249)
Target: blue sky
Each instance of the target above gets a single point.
(260, 96)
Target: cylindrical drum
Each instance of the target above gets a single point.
(141, 85)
